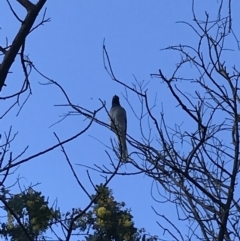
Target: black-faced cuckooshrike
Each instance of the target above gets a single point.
(118, 122)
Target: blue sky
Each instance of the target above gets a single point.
(69, 50)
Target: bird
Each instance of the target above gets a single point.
(118, 124)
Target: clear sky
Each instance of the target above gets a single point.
(69, 50)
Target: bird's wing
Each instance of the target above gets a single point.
(118, 119)
(118, 122)
(112, 118)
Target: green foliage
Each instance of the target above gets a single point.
(112, 221)
(31, 209)
(106, 220)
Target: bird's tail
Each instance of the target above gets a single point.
(123, 148)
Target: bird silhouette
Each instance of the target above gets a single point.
(118, 123)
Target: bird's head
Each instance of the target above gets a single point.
(115, 100)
